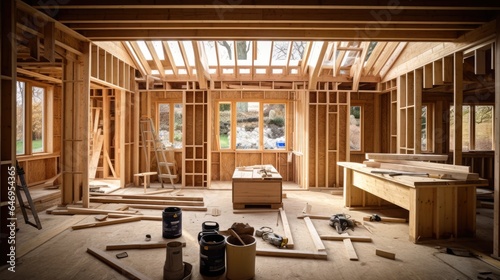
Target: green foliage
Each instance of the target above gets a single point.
(224, 141)
(278, 121)
(355, 111)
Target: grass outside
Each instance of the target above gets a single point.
(37, 146)
(224, 141)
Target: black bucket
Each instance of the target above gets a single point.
(208, 227)
(212, 255)
(172, 222)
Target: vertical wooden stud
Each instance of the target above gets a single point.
(458, 97)
(496, 147)
(479, 62)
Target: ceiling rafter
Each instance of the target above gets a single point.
(339, 58)
(156, 59)
(373, 57)
(388, 64)
(185, 58)
(358, 66)
(200, 64)
(170, 57)
(314, 72)
(142, 60)
(388, 50)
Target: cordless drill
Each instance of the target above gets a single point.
(275, 239)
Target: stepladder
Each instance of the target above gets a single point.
(165, 162)
(31, 206)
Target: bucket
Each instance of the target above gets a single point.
(212, 255)
(174, 266)
(241, 258)
(208, 227)
(172, 222)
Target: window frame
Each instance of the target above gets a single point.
(430, 128)
(361, 127)
(471, 127)
(171, 119)
(47, 118)
(232, 145)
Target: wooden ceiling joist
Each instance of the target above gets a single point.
(156, 59)
(38, 76)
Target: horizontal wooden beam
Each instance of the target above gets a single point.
(117, 265)
(292, 254)
(38, 76)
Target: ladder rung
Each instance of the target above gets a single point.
(165, 163)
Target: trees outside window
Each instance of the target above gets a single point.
(31, 117)
(37, 119)
(355, 128)
(170, 124)
(20, 114)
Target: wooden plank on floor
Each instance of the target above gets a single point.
(88, 211)
(292, 254)
(106, 223)
(253, 211)
(351, 253)
(142, 196)
(145, 201)
(161, 207)
(117, 265)
(385, 254)
(286, 228)
(342, 237)
(143, 217)
(314, 235)
(142, 245)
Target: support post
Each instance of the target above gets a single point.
(496, 147)
(458, 98)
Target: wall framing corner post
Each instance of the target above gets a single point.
(496, 224)
(84, 94)
(458, 99)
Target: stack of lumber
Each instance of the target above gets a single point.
(420, 163)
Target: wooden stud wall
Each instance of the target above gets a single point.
(389, 89)
(328, 120)
(223, 162)
(8, 115)
(110, 71)
(76, 99)
(370, 123)
(196, 142)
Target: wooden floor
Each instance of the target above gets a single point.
(63, 254)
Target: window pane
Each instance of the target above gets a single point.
(355, 128)
(178, 125)
(37, 119)
(247, 122)
(274, 126)
(424, 128)
(465, 128)
(164, 124)
(484, 128)
(20, 103)
(225, 125)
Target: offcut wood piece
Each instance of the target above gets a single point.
(76, 210)
(98, 140)
(314, 235)
(351, 252)
(286, 227)
(443, 172)
(385, 254)
(117, 265)
(319, 217)
(161, 207)
(358, 238)
(386, 219)
(292, 254)
(106, 223)
(175, 198)
(142, 245)
(143, 217)
(160, 191)
(101, 218)
(147, 201)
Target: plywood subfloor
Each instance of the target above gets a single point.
(64, 256)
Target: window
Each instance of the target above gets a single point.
(258, 125)
(170, 124)
(30, 126)
(37, 119)
(225, 125)
(355, 128)
(427, 128)
(477, 127)
(20, 114)
(247, 125)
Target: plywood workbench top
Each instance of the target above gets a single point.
(412, 181)
(256, 172)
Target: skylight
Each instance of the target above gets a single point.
(145, 51)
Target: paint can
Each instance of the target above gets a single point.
(212, 255)
(208, 227)
(172, 222)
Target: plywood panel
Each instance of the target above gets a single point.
(312, 146)
(227, 165)
(321, 140)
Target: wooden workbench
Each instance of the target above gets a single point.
(438, 208)
(252, 188)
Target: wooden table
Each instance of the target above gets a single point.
(252, 187)
(438, 208)
(146, 178)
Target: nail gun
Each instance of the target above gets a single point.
(341, 222)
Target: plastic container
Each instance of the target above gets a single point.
(241, 258)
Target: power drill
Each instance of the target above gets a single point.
(341, 222)
(275, 239)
